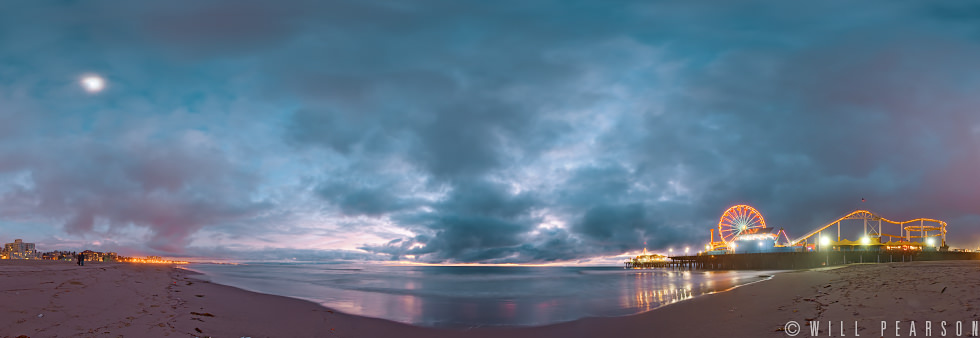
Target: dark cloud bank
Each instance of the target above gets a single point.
(506, 132)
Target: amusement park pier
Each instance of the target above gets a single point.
(745, 242)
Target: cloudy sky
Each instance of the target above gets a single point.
(500, 131)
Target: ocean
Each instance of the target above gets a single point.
(476, 296)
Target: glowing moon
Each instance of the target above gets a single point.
(93, 83)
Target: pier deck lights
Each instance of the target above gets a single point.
(930, 242)
(865, 240)
(824, 241)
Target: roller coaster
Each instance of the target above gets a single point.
(873, 230)
(743, 222)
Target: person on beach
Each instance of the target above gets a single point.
(81, 259)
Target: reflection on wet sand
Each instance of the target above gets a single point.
(483, 296)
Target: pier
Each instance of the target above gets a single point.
(804, 260)
(746, 243)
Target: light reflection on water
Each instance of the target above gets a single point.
(470, 296)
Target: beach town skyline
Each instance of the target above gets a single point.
(739, 224)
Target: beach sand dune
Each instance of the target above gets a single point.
(60, 299)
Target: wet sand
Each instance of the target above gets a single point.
(60, 299)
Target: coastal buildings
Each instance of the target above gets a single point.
(100, 256)
(19, 250)
(91, 256)
(58, 256)
(22, 250)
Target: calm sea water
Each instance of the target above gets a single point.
(473, 296)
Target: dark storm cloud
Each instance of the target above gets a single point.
(492, 132)
(477, 221)
(287, 254)
(484, 222)
(786, 115)
(809, 133)
(608, 223)
(356, 198)
(214, 27)
(609, 183)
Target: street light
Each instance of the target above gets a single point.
(865, 240)
(824, 241)
(686, 249)
(930, 242)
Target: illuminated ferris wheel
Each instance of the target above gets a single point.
(737, 220)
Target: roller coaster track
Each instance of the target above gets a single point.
(869, 216)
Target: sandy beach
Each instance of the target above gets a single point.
(60, 299)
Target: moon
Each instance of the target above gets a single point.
(92, 83)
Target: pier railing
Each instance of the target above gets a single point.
(800, 260)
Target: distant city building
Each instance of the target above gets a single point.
(19, 250)
(100, 256)
(91, 256)
(58, 256)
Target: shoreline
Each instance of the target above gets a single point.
(760, 275)
(118, 299)
(674, 318)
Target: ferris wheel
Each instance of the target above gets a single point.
(737, 220)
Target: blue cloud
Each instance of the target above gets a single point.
(479, 132)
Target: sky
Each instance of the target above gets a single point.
(476, 131)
